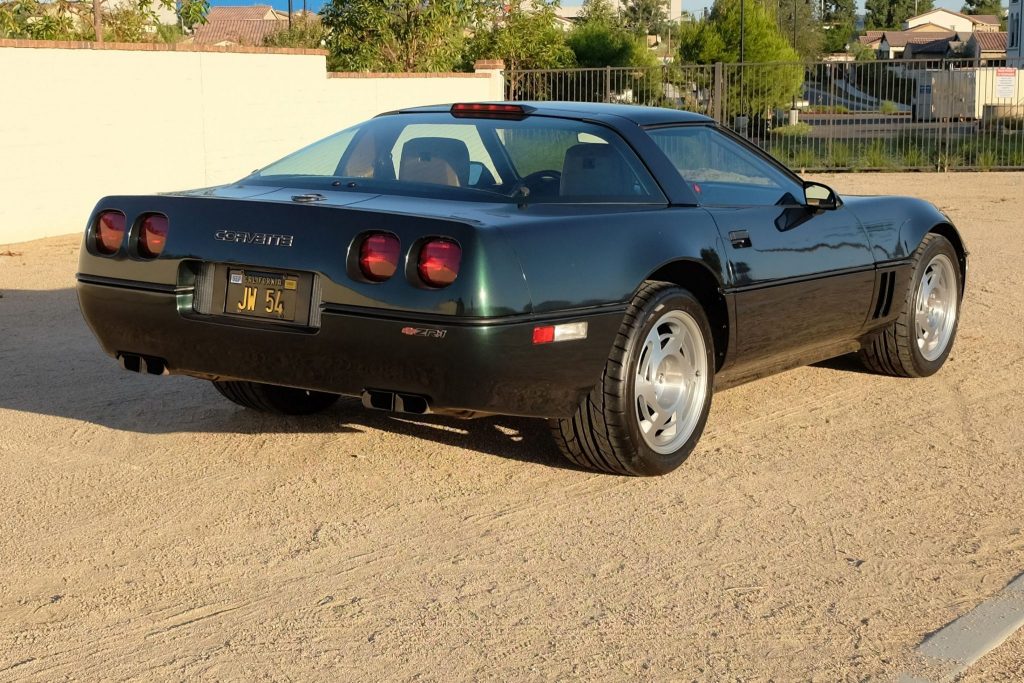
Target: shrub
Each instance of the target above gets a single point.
(915, 157)
(888, 107)
(842, 156)
(799, 130)
(875, 156)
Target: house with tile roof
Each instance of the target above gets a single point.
(954, 21)
(894, 43)
(244, 25)
(990, 48)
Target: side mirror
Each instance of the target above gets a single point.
(476, 170)
(818, 196)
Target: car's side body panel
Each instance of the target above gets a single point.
(800, 278)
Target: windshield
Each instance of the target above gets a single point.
(535, 159)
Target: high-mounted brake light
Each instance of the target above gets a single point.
(439, 262)
(152, 235)
(490, 110)
(108, 233)
(378, 256)
(548, 334)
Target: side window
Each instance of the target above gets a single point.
(319, 159)
(722, 171)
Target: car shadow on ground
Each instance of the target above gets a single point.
(50, 364)
(847, 363)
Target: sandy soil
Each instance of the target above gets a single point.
(827, 521)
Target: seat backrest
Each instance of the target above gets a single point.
(594, 169)
(441, 161)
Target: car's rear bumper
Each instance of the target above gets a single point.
(477, 366)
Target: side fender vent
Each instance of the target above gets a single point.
(885, 290)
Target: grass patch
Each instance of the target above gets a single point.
(796, 130)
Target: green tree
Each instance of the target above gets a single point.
(599, 39)
(890, 14)
(306, 31)
(994, 7)
(193, 13)
(600, 11)
(839, 21)
(645, 17)
(524, 36)
(598, 44)
(755, 88)
(395, 35)
(58, 20)
(797, 21)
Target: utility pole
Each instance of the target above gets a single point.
(289, 15)
(794, 27)
(97, 20)
(743, 54)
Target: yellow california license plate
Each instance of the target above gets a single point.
(262, 294)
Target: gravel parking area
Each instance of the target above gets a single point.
(828, 520)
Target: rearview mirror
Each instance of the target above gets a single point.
(818, 196)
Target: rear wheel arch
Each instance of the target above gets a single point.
(700, 281)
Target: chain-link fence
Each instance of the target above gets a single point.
(908, 114)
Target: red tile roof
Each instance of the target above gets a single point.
(237, 32)
(991, 41)
(984, 18)
(904, 38)
(245, 13)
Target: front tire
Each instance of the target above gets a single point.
(918, 342)
(647, 413)
(270, 398)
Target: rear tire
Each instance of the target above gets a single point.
(647, 413)
(918, 341)
(270, 398)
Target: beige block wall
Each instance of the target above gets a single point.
(78, 124)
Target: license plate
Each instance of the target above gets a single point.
(262, 294)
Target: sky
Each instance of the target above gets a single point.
(694, 6)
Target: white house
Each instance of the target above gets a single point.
(954, 21)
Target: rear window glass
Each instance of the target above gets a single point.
(537, 159)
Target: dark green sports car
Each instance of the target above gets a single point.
(603, 266)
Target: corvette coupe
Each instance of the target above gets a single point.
(606, 267)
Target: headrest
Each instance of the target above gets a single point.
(442, 161)
(594, 169)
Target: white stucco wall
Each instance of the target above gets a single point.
(77, 124)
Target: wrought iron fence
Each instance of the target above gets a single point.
(907, 114)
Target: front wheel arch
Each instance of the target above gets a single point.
(950, 233)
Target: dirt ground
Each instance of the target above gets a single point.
(828, 520)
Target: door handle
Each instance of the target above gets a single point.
(740, 238)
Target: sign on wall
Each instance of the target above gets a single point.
(1006, 82)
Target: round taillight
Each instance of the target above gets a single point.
(152, 235)
(108, 233)
(439, 262)
(378, 256)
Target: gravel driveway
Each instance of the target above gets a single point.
(828, 520)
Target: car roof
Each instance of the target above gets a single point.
(640, 115)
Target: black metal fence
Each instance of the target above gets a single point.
(913, 114)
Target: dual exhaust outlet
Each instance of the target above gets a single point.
(395, 402)
(144, 365)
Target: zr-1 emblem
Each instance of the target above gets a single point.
(431, 332)
(254, 238)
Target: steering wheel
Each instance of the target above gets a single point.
(543, 183)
